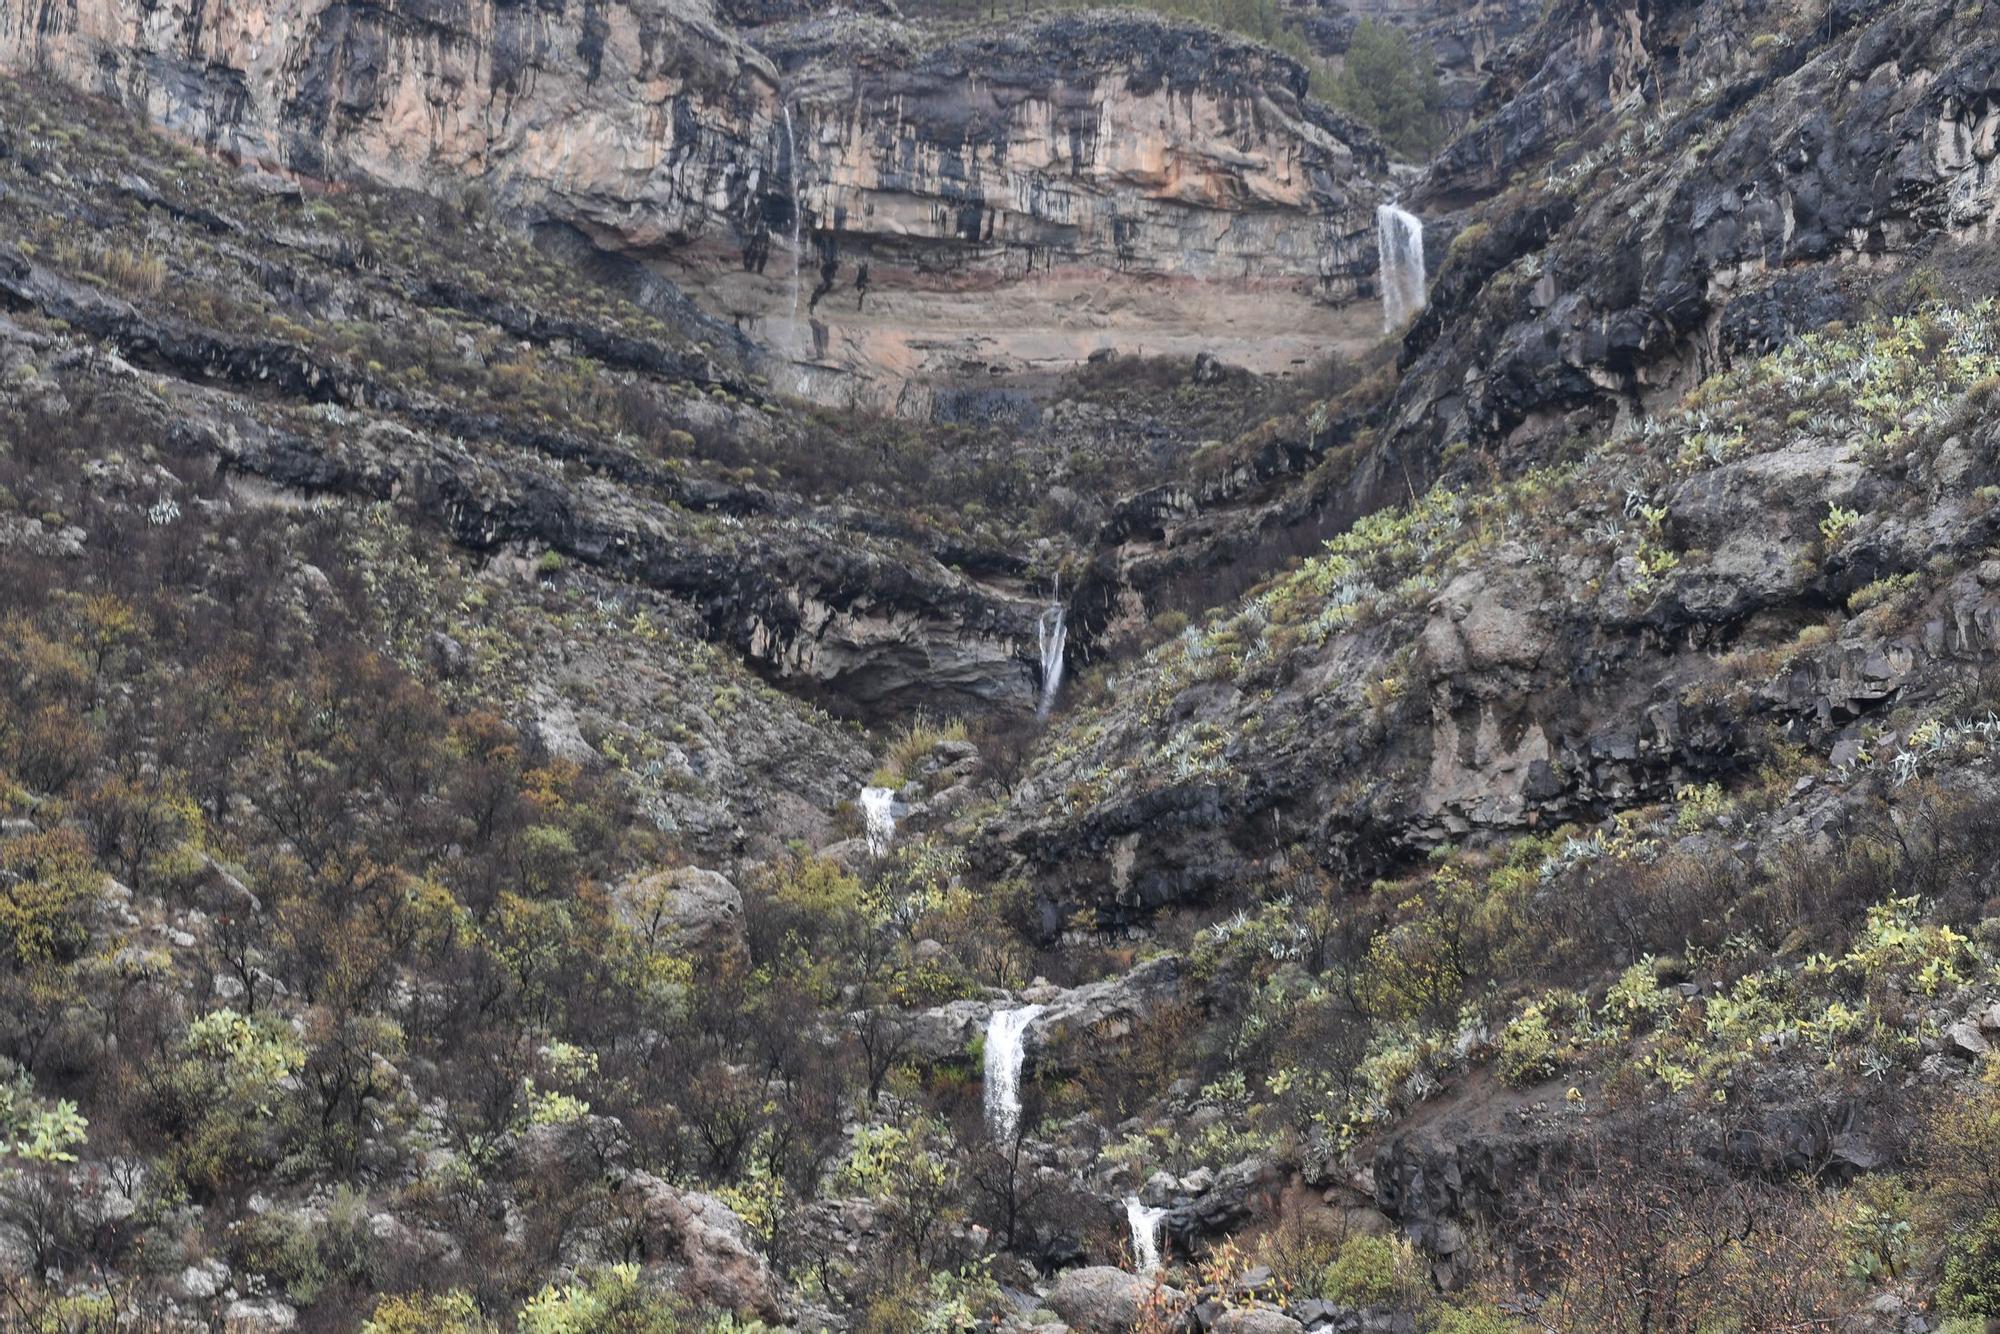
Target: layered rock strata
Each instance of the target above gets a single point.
(886, 215)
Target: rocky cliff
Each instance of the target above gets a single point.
(1088, 182)
(1515, 841)
(1007, 203)
(1746, 187)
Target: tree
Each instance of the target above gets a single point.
(1647, 1234)
(48, 888)
(1391, 84)
(1961, 1198)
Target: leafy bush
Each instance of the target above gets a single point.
(1369, 1271)
(427, 1313)
(1971, 1284)
(1527, 1048)
(609, 1301)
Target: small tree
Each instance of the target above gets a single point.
(1390, 83)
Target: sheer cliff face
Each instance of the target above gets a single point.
(1097, 181)
(1083, 184)
(643, 123)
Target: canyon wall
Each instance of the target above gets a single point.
(1082, 182)
(1092, 181)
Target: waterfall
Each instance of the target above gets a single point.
(1053, 637)
(878, 808)
(1400, 242)
(1145, 1226)
(798, 209)
(1005, 1050)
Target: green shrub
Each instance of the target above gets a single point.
(609, 1301)
(1971, 1285)
(1481, 1319)
(1528, 1048)
(427, 1313)
(1369, 1271)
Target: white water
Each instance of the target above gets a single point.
(1400, 242)
(1054, 638)
(1005, 1050)
(798, 209)
(878, 808)
(1145, 1226)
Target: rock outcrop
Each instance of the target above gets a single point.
(1715, 200)
(706, 1247)
(642, 123)
(1106, 1009)
(997, 203)
(1010, 202)
(688, 909)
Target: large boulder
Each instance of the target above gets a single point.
(1256, 1320)
(1103, 1300)
(1109, 1007)
(258, 1315)
(686, 909)
(706, 1247)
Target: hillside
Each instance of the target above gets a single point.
(684, 670)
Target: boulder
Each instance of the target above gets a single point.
(1233, 1196)
(252, 1315)
(201, 1281)
(1108, 1007)
(1966, 1040)
(557, 728)
(1103, 1300)
(707, 1246)
(1256, 1320)
(683, 909)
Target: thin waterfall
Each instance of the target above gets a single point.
(1145, 1226)
(1054, 638)
(1400, 243)
(798, 208)
(878, 810)
(1006, 1048)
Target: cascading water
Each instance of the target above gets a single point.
(1005, 1050)
(1054, 639)
(1145, 1226)
(1400, 242)
(878, 811)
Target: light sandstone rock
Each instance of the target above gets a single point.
(1017, 194)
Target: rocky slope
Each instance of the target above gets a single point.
(1467, 41)
(1745, 185)
(626, 481)
(1513, 848)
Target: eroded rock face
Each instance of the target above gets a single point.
(643, 122)
(683, 909)
(1723, 203)
(1016, 200)
(1107, 1009)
